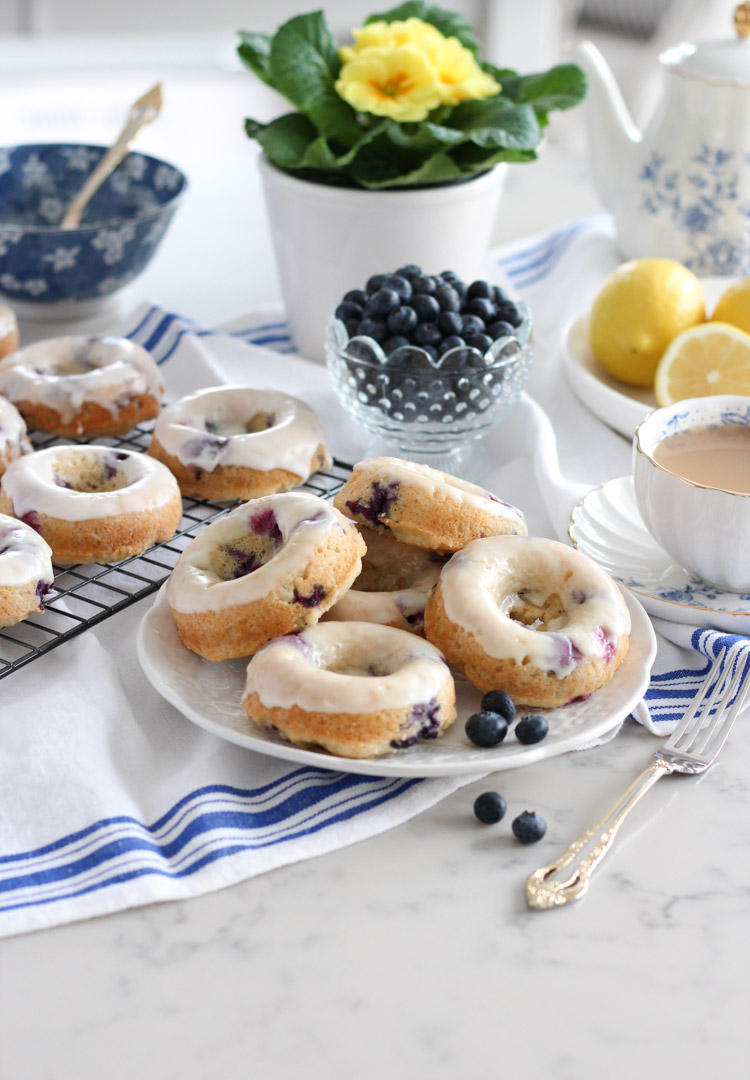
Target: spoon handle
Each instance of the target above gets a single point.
(142, 112)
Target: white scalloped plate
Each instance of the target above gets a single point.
(607, 526)
(210, 696)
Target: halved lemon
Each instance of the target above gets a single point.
(712, 358)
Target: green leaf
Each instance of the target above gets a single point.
(374, 171)
(561, 87)
(471, 158)
(426, 136)
(303, 66)
(448, 23)
(497, 123)
(285, 140)
(254, 51)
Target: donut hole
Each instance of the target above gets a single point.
(546, 614)
(90, 473)
(78, 357)
(225, 425)
(357, 660)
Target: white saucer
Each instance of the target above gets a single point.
(607, 526)
(620, 406)
(210, 696)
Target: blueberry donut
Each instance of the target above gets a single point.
(13, 439)
(531, 616)
(25, 571)
(82, 387)
(394, 584)
(355, 689)
(92, 503)
(270, 567)
(8, 331)
(424, 507)
(234, 442)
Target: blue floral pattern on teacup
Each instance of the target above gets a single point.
(120, 230)
(705, 207)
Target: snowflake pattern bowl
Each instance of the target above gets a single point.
(43, 267)
(424, 407)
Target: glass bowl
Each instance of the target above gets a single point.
(424, 406)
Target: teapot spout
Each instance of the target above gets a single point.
(612, 133)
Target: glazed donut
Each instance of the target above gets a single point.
(13, 439)
(82, 387)
(8, 331)
(234, 442)
(394, 584)
(531, 616)
(25, 571)
(356, 689)
(93, 503)
(424, 507)
(270, 567)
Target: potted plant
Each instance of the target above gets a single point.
(395, 152)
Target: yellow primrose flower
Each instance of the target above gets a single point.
(388, 35)
(399, 82)
(459, 74)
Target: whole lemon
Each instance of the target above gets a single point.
(639, 309)
(734, 306)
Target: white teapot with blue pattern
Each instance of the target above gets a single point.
(680, 189)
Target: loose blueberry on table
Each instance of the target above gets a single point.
(529, 827)
(489, 807)
(486, 729)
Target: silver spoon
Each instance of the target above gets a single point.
(142, 112)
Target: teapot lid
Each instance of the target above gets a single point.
(725, 62)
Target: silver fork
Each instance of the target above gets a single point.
(692, 747)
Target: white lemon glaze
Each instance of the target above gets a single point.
(209, 428)
(303, 521)
(24, 555)
(13, 440)
(33, 484)
(481, 584)
(356, 605)
(63, 373)
(335, 668)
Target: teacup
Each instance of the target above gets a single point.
(705, 528)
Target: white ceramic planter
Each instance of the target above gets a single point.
(328, 239)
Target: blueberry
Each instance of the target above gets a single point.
(347, 310)
(500, 702)
(398, 341)
(529, 827)
(472, 324)
(448, 298)
(450, 322)
(489, 807)
(451, 277)
(532, 729)
(426, 307)
(486, 728)
(498, 295)
(500, 329)
(409, 272)
(482, 307)
(410, 362)
(399, 284)
(351, 326)
(431, 351)
(424, 284)
(509, 313)
(356, 296)
(373, 328)
(453, 341)
(375, 283)
(427, 333)
(481, 342)
(381, 302)
(402, 320)
(479, 288)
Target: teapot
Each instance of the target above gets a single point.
(681, 188)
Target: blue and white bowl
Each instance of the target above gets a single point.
(43, 266)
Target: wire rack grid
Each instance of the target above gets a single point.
(85, 595)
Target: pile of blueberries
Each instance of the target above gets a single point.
(435, 313)
(487, 728)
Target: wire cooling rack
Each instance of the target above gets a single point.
(83, 596)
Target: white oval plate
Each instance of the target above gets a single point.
(607, 526)
(210, 695)
(620, 406)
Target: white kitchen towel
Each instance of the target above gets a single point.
(111, 799)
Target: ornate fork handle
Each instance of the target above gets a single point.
(543, 890)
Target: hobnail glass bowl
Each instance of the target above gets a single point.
(422, 406)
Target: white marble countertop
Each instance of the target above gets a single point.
(411, 954)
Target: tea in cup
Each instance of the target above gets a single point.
(691, 470)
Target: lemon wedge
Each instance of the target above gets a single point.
(713, 358)
(734, 306)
